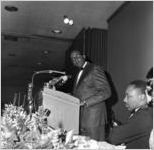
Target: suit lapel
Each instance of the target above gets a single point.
(75, 80)
(85, 72)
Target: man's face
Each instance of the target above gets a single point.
(132, 97)
(149, 87)
(77, 59)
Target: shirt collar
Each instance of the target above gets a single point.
(137, 109)
(84, 65)
(134, 111)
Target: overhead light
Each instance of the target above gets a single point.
(39, 63)
(11, 8)
(11, 38)
(67, 20)
(12, 54)
(56, 31)
(70, 22)
(46, 52)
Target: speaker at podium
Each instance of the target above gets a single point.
(64, 109)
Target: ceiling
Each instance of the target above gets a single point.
(28, 43)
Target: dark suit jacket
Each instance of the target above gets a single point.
(93, 87)
(136, 132)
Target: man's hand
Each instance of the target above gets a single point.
(115, 124)
(83, 103)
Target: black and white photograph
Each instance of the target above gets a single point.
(76, 74)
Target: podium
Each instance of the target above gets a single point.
(64, 110)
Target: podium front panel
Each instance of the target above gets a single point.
(64, 110)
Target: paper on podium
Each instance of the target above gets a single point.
(64, 109)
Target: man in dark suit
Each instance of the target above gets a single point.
(136, 132)
(92, 88)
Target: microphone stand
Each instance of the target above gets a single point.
(31, 85)
(30, 99)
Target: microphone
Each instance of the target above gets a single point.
(59, 80)
(44, 71)
(64, 78)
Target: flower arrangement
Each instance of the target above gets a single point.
(21, 130)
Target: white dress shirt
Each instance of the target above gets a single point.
(80, 73)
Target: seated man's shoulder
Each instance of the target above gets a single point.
(147, 111)
(145, 116)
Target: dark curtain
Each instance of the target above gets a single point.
(96, 46)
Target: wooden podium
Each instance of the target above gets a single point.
(64, 110)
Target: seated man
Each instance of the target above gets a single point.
(136, 132)
(149, 92)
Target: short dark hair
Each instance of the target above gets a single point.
(78, 51)
(150, 73)
(139, 84)
(149, 78)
